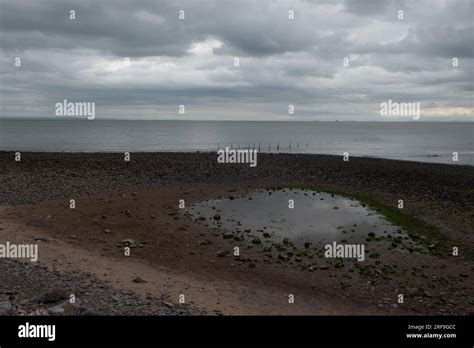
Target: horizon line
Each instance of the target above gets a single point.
(50, 118)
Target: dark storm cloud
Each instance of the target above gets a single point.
(190, 61)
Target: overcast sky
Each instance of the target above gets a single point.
(283, 61)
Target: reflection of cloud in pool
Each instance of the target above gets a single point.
(317, 217)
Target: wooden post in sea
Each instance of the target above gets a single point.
(259, 146)
(278, 145)
(289, 147)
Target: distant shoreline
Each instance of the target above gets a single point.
(65, 118)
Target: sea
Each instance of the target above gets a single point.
(411, 141)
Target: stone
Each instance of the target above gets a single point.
(129, 242)
(51, 296)
(222, 253)
(5, 307)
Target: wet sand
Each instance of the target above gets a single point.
(174, 255)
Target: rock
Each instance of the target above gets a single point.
(227, 235)
(222, 253)
(239, 238)
(266, 235)
(38, 311)
(371, 234)
(168, 304)
(217, 217)
(56, 310)
(41, 239)
(307, 245)
(286, 241)
(88, 312)
(107, 231)
(54, 295)
(252, 265)
(5, 307)
(205, 242)
(129, 242)
(463, 275)
(256, 240)
(138, 279)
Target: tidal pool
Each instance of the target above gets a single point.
(317, 217)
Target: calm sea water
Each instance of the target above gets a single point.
(422, 141)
